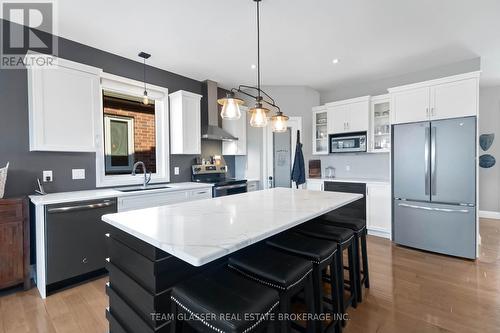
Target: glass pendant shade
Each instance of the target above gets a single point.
(259, 116)
(279, 123)
(145, 99)
(230, 107)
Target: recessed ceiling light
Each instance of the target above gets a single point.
(335, 61)
(253, 66)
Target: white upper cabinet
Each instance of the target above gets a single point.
(410, 105)
(454, 99)
(321, 122)
(349, 115)
(185, 122)
(63, 101)
(238, 129)
(379, 133)
(450, 97)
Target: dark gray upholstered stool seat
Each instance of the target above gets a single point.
(217, 301)
(323, 254)
(288, 274)
(345, 241)
(357, 225)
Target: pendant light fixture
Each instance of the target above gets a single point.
(259, 113)
(144, 56)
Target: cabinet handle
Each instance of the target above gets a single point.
(107, 235)
(85, 260)
(432, 111)
(427, 112)
(107, 259)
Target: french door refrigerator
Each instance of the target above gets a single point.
(434, 186)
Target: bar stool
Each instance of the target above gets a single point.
(219, 300)
(322, 254)
(358, 226)
(287, 274)
(345, 241)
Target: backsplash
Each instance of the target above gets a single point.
(361, 165)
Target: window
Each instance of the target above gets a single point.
(131, 132)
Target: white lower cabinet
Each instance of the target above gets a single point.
(252, 185)
(378, 209)
(314, 184)
(162, 198)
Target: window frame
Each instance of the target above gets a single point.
(121, 85)
(107, 141)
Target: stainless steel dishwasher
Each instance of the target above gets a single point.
(75, 238)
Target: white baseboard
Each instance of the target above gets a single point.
(379, 232)
(489, 214)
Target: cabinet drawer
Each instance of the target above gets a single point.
(10, 212)
(140, 299)
(151, 200)
(204, 193)
(154, 276)
(127, 317)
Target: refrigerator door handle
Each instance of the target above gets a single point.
(433, 161)
(426, 160)
(446, 210)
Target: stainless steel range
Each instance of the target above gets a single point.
(216, 175)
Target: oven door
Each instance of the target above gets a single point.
(348, 143)
(223, 190)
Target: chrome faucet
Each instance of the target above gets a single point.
(147, 178)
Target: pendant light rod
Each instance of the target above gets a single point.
(144, 56)
(258, 49)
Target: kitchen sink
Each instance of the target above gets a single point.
(141, 188)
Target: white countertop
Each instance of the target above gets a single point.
(352, 180)
(199, 232)
(62, 197)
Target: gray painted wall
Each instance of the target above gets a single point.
(26, 166)
(379, 87)
(489, 122)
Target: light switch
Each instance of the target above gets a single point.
(78, 173)
(47, 176)
(176, 170)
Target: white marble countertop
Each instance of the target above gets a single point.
(201, 231)
(352, 180)
(62, 197)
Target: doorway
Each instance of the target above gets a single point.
(282, 156)
(282, 171)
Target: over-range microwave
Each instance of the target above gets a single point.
(347, 142)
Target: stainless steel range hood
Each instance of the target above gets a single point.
(211, 130)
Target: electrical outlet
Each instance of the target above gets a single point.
(347, 168)
(176, 170)
(47, 176)
(78, 173)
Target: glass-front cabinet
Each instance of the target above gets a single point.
(320, 131)
(380, 125)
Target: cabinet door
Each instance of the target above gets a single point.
(321, 129)
(191, 125)
(62, 104)
(454, 99)
(357, 117)
(11, 253)
(203, 193)
(238, 128)
(315, 185)
(337, 116)
(410, 105)
(378, 208)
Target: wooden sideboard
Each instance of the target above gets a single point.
(14, 243)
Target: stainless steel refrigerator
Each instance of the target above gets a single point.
(434, 186)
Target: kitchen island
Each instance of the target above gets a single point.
(153, 249)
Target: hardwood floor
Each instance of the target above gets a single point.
(411, 291)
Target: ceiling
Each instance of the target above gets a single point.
(216, 39)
